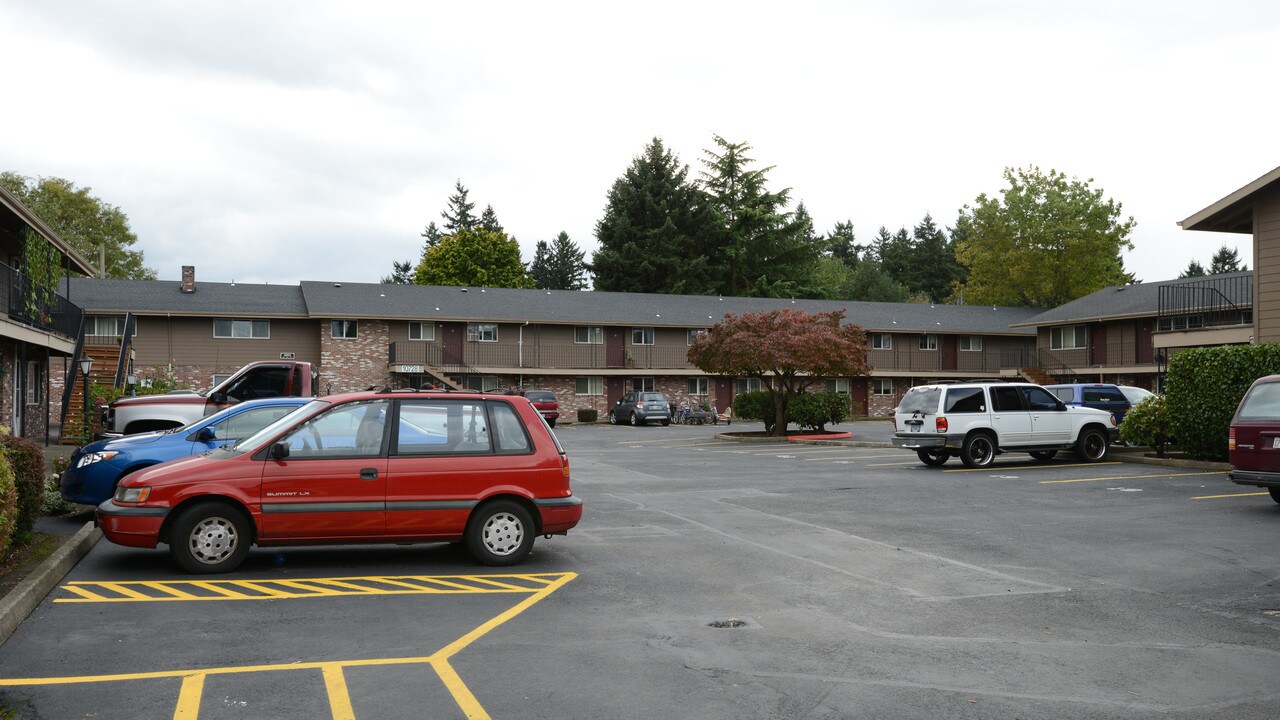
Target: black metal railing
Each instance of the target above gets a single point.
(980, 362)
(30, 303)
(532, 355)
(1204, 303)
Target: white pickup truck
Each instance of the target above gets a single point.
(147, 413)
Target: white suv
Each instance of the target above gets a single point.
(979, 420)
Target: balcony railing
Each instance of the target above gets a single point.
(576, 356)
(909, 359)
(27, 303)
(1211, 302)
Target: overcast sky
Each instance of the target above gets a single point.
(286, 141)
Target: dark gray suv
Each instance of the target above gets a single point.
(640, 408)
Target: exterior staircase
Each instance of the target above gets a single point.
(103, 373)
(1038, 375)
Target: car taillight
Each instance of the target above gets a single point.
(895, 423)
(941, 423)
(1231, 439)
(640, 405)
(564, 465)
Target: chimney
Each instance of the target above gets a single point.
(188, 278)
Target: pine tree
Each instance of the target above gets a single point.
(401, 273)
(934, 262)
(432, 235)
(843, 244)
(568, 269)
(1226, 260)
(1194, 269)
(489, 220)
(457, 216)
(540, 269)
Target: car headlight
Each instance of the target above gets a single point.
(132, 494)
(91, 458)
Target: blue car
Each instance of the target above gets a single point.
(94, 470)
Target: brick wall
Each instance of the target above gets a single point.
(348, 364)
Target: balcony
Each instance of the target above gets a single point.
(1206, 304)
(979, 362)
(568, 357)
(24, 302)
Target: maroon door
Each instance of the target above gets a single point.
(615, 348)
(1144, 353)
(451, 341)
(858, 389)
(724, 393)
(949, 346)
(1097, 344)
(613, 391)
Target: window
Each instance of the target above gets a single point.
(1070, 337)
(106, 325)
(588, 335)
(929, 341)
(242, 425)
(641, 384)
(445, 427)
(589, 386)
(422, 331)
(882, 386)
(693, 335)
(642, 336)
(261, 383)
(219, 378)
(745, 385)
(33, 383)
(255, 329)
(965, 400)
(881, 341)
(840, 385)
(970, 343)
(699, 386)
(1006, 399)
(342, 329)
(480, 383)
(508, 431)
(1040, 399)
(349, 430)
(482, 332)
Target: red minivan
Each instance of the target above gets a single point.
(1254, 439)
(398, 466)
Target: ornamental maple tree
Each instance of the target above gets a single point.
(792, 347)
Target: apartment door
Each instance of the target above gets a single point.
(451, 341)
(724, 393)
(949, 346)
(1097, 344)
(615, 348)
(613, 390)
(1144, 329)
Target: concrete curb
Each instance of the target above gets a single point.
(23, 599)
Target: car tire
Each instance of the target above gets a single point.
(1043, 455)
(1092, 445)
(210, 537)
(933, 458)
(551, 423)
(613, 418)
(979, 450)
(666, 423)
(500, 533)
(635, 420)
(1275, 494)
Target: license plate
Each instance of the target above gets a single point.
(916, 428)
(1275, 442)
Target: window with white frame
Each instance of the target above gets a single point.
(699, 386)
(693, 335)
(1069, 337)
(882, 386)
(840, 385)
(343, 329)
(747, 385)
(422, 330)
(929, 341)
(219, 378)
(642, 384)
(881, 341)
(970, 343)
(588, 335)
(106, 325)
(589, 386)
(34, 383)
(642, 336)
(242, 329)
(482, 332)
(481, 383)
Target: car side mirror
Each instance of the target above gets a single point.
(279, 451)
(206, 434)
(218, 397)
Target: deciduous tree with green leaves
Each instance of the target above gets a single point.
(1045, 240)
(790, 347)
(475, 258)
(84, 221)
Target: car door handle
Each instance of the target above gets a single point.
(368, 473)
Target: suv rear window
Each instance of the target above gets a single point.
(966, 400)
(1103, 395)
(651, 397)
(1066, 394)
(920, 400)
(1262, 403)
(540, 396)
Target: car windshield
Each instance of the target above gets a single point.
(920, 400)
(1136, 395)
(1262, 403)
(254, 441)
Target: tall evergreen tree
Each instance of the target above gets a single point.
(489, 220)
(540, 269)
(458, 216)
(893, 251)
(843, 244)
(655, 230)
(934, 266)
(1194, 269)
(432, 235)
(763, 249)
(401, 273)
(568, 268)
(1226, 260)
(479, 258)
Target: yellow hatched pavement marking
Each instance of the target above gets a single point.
(191, 691)
(299, 588)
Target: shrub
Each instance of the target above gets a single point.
(587, 415)
(26, 461)
(755, 405)
(815, 410)
(1204, 387)
(8, 502)
(1147, 424)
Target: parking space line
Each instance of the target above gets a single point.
(1231, 495)
(1130, 477)
(335, 684)
(1031, 466)
(189, 697)
(861, 457)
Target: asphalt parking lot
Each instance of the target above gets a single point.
(714, 579)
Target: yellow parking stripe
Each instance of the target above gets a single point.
(336, 685)
(308, 587)
(120, 588)
(170, 589)
(1038, 466)
(92, 596)
(189, 697)
(1129, 477)
(1232, 495)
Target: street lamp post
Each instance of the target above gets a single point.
(86, 364)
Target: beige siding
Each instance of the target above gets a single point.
(190, 341)
(1266, 244)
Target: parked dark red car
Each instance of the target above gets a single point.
(546, 403)
(1254, 439)
(372, 467)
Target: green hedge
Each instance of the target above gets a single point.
(815, 410)
(587, 415)
(1203, 388)
(755, 405)
(26, 459)
(8, 503)
(1147, 424)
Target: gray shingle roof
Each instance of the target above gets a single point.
(1122, 301)
(428, 302)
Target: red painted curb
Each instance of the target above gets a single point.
(827, 436)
